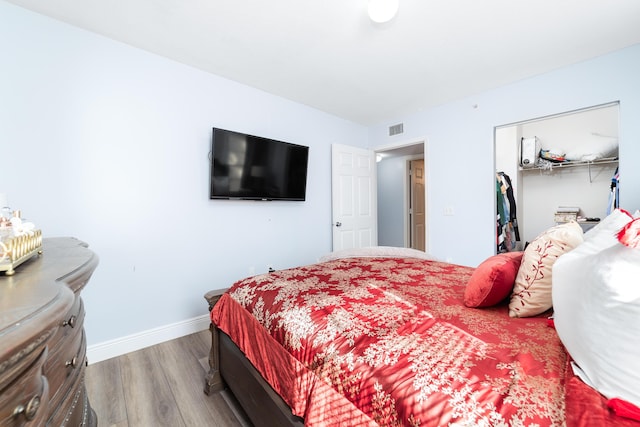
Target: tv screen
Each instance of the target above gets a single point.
(255, 168)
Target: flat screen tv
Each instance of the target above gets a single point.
(254, 168)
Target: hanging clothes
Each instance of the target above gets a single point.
(614, 194)
(507, 233)
(512, 206)
(500, 218)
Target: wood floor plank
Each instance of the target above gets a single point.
(104, 386)
(147, 394)
(186, 380)
(201, 342)
(161, 386)
(201, 345)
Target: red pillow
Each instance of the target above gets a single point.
(493, 280)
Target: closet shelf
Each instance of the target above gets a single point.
(569, 164)
(552, 166)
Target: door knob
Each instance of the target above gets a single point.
(338, 224)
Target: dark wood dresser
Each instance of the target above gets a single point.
(42, 340)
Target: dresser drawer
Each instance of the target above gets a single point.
(64, 345)
(65, 364)
(25, 401)
(74, 410)
(71, 323)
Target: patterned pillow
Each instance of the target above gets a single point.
(493, 280)
(532, 290)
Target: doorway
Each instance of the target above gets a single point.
(416, 210)
(587, 142)
(395, 198)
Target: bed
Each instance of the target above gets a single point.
(387, 339)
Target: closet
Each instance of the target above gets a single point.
(583, 148)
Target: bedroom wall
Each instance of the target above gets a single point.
(109, 144)
(460, 165)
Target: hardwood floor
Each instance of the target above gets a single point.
(161, 386)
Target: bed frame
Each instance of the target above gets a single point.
(229, 368)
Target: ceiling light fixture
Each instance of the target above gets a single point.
(381, 11)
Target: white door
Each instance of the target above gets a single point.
(353, 197)
(417, 205)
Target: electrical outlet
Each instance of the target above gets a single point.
(449, 211)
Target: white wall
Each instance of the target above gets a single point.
(460, 164)
(109, 144)
(544, 192)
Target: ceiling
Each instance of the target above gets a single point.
(328, 55)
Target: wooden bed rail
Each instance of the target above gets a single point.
(213, 379)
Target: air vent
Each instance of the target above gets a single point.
(396, 129)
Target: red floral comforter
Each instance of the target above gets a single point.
(388, 341)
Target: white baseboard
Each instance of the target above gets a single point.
(119, 346)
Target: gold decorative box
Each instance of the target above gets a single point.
(16, 250)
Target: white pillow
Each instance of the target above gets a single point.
(589, 150)
(377, 251)
(604, 233)
(596, 300)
